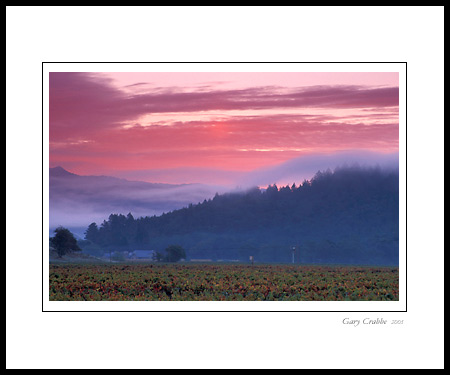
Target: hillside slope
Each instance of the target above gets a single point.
(349, 216)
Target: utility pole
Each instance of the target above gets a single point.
(293, 254)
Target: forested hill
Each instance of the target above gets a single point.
(350, 215)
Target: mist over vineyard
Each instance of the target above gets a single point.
(349, 215)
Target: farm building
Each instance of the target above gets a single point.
(142, 254)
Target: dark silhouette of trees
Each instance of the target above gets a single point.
(64, 241)
(349, 215)
(91, 233)
(174, 253)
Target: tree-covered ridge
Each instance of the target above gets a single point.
(349, 215)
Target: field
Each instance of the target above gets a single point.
(221, 282)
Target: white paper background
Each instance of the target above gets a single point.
(37, 339)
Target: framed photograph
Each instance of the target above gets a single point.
(202, 187)
(224, 186)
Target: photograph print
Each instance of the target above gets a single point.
(223, 185)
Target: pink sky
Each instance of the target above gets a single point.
(145, 124)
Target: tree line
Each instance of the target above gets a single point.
(349, 215)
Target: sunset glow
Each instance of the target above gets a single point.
(178, 127)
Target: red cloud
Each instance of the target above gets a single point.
(87, 114)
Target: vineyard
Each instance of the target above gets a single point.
(221, 282)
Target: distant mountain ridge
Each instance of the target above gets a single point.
(60, 172)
